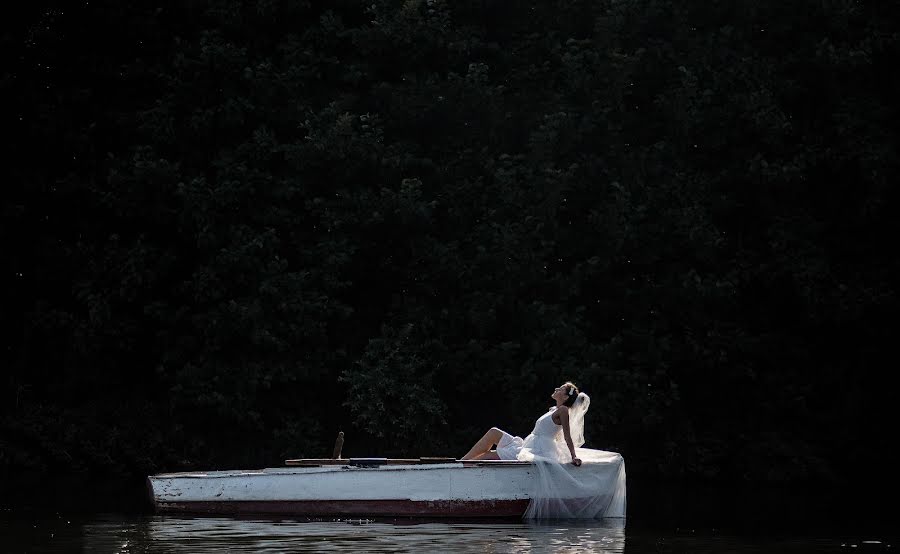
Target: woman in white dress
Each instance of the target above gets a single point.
(546, 429)
(554, 446)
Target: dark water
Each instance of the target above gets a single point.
(663, 520)
(135, 534)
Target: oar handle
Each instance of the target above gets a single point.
(338, 445)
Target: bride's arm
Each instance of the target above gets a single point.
(564, 421)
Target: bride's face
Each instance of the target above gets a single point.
(560, 393)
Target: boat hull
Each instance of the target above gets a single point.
(354, 508)
(426, 490)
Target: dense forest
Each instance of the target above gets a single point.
(232, 228)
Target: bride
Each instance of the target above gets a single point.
(543, 441)
(554, 446)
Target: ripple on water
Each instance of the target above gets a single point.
(208, 535)
(219, 535)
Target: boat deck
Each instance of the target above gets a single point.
(290, 466)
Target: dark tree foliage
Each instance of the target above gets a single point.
(232, 228)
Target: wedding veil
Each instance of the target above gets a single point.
(576, 418)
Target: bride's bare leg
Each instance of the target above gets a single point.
(484, 444)
(489, 455)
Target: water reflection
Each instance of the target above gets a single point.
(201, 535)
(117, 533)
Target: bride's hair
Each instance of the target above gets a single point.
(572, 392)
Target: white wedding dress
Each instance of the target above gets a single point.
(596, 489)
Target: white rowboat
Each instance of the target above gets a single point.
(355, 487)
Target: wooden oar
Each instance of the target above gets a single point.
(336, 460)
(374, 462)
(365, 461)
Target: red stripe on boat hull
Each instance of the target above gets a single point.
(380, 508)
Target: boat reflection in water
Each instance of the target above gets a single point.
(218, 534)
